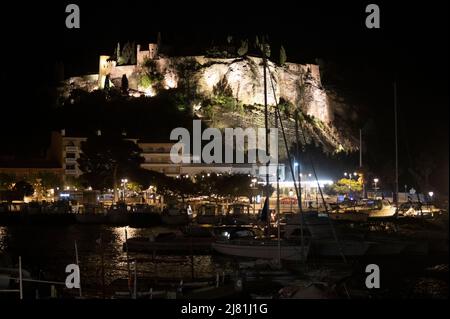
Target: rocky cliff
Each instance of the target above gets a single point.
(230, 93)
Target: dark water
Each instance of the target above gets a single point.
(46, 251)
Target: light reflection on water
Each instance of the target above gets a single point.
(46, 251)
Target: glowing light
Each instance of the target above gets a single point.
(430, 194)
(149, 92)
(170, 82)
(120, 233)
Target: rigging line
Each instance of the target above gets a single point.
(314, 171)
(323, 199)
(290, 166)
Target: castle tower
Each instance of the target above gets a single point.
(152, 50)
(103, 70)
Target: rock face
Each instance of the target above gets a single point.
(295, 83)
(243, 78)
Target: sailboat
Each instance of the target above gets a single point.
(267, 247)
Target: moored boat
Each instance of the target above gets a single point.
(262, 248)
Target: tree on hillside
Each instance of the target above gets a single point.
(6, 180)
(344, 186)
(283, 57)
(106, 159)
(23, 188)
(124, 84)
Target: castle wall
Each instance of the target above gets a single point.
(119, 71)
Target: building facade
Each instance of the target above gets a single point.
(157, 158)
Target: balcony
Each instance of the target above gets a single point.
(71, 148)
(71, 172)
(71, 160)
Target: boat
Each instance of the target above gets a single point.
(208, 214)
(9, 274)
(347, 213)
(227, 232)
(192, 239)
(417, 209)
(262, 249)
(144, 215)
(118, 214)
(174, 216)
(239, 214)
(349, 216)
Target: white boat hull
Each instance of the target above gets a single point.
(257, 249)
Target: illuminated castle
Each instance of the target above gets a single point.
(107, 66)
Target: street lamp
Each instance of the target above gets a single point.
(375, 181)
(254, 180)
(345, 173)
(124, 184)
(431, 195)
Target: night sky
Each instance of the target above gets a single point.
(410, 48)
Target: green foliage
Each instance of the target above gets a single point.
(23, 188)
(229, 103)
(127, 55)
(223, 88)
(286, 107)
(214, 185)
(118, 54)
(181, 101)
(209, 112)
(344, 186)
(106, 159)
(48, 180)
(149, 64)
(133, 53)
(243, 48)
(6, 181)
(145, 81)
(283, 57)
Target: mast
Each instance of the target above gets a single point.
(361, 164)
(299, 191)
(297, 137)
(278, 202)
(396, 145)
(266, 122)
(291, 166)
(360, 148)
